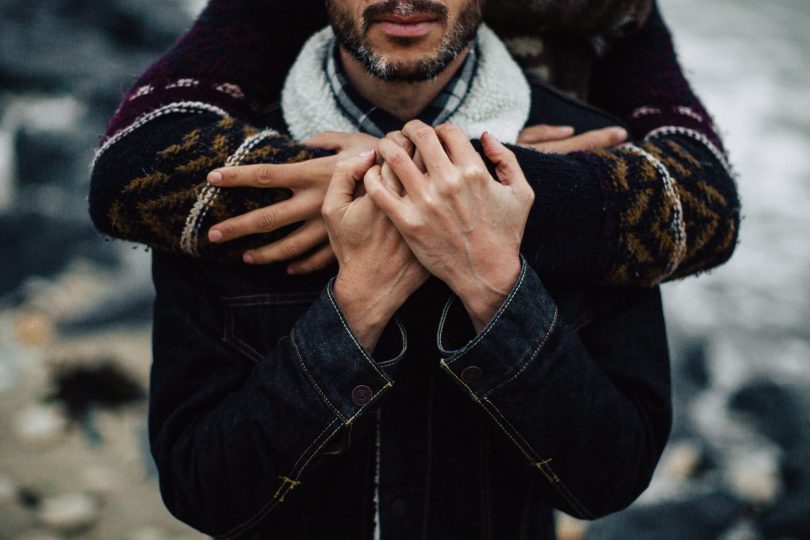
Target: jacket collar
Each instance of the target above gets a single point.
(498, 100)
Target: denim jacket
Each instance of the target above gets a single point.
(268, 419)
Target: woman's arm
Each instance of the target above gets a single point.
(195, 109)
(634, 215)
(663, 207)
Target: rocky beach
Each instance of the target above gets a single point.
(75, 308)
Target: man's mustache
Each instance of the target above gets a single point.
(404, 8)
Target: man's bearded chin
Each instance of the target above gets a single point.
(453, 42)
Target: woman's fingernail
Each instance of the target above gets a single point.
(214, 177)
(619, 133)
(567, 130)
(291, 271)
(247, 258)
(214, 235)
(366, 154)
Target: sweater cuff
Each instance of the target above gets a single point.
(340, 369)
(510, 340)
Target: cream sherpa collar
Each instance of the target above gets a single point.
(498, 101)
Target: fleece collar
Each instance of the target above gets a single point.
(498, 100)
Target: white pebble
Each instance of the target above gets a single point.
(69, 512)
(39, 426)
(38, 535)
(7, 489)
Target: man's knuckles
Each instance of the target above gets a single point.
(266, 220)
(450, 131)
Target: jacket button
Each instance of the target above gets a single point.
(362, 394)
(472, 374)
(399, 508)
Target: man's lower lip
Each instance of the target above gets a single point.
(406, 30)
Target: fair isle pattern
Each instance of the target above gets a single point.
(182, 83)
(681, 110)
(677, 225)
(181, 107)
(666, 131)
(189, 241)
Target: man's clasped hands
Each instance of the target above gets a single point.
(396, 210)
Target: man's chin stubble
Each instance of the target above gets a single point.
(453, 43)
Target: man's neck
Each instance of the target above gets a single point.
(405, 100)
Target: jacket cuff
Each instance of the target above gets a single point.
(340, 369)
(512, 338)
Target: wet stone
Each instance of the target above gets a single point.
(69, 512)
(701, 517)
(39, 426)
(772, 408)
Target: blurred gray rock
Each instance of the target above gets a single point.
(772, 408)
(69, 512)
(702, 517)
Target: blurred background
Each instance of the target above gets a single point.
(75, 309)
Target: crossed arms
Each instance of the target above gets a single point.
(662, 208)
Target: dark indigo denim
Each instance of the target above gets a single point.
(263, 406)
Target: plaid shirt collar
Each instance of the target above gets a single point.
(376, 121)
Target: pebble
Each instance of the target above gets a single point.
(101, 480)
(147, 533)
(8, 491)
(753, 472)
(569, 528)
(38, 535)
(69, 512)
(40, 426)
(681, 460)
(35, 329)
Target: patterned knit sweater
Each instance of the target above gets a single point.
(660, 208)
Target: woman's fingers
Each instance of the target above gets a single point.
(544, 133)
(319, 260)
(286, 175)
(265, 219)
(591, 140)
(308, 236)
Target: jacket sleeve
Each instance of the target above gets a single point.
(588, 411)
(662, 207)
(231, 436)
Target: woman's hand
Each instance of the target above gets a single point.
(561, 139)
(308, 181)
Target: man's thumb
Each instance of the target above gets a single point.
(506, 165)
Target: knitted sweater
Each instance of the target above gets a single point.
(663, 207)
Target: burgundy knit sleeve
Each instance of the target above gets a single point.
(196, 109)
(640, 80)
(234, 58)
(663, 206)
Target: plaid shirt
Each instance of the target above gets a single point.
(376, 121)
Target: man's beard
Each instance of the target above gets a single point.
(453, 42)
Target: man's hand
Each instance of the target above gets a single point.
(464, 227)
(561, 139)
(308, 181)
(377, 271)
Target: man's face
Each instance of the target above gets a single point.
(404, 40)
